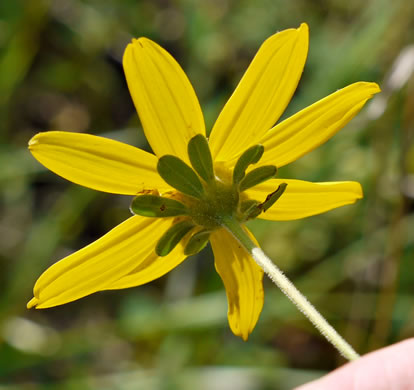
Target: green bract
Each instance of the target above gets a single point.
(205, 200)
(257, 176)
(200, 157)
(197, 242)
(250, 156)
(180, 176)
(273, 197)
(172, 237)
(157, 206)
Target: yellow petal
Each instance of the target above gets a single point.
(262, 94)
(309, 128)
(302, 198)
(151, 268)
(96, 162)
(164, 98)
(99, 264)
(243, 280)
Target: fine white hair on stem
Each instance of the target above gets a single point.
(302, 303)
(289, 289)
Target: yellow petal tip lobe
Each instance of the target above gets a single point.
(376, 88)
(303, 28)
(372, 88)
(32, 303)
(33, 141)
(302, 37)
(139, 42)
(359, 191)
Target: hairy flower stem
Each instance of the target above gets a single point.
(288, 288)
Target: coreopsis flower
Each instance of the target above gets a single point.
(187, 191)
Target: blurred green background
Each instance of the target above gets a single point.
(60, 69)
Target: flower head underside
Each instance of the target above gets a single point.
(182, 192)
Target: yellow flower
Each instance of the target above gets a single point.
(129, 255)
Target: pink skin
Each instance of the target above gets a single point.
(390, 368)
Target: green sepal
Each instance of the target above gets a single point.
(172, 237)
(157, 206)
(197, 242)
(257, 176)
(180, 176)
(250, 156)
(200, 157)
(273, 197)
(250, 209)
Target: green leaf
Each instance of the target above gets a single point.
(197, 242)
(200, 157)
(257, 176)
(157, 206)
(250, 156)
(273, 197)
(172, 237)
(180, 176)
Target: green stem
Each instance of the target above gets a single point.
(301, 302)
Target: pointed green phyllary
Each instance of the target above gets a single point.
(200, 157)
(250, 156)
(157, 206)
(180, 176)
(172, 237)
(273, 197)
(197, 242)
(257, 176)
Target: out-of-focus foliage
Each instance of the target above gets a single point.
(60, 69)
